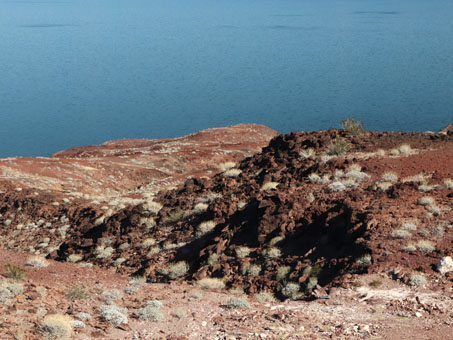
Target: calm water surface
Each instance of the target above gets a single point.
(81, 72)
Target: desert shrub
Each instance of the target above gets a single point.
(338, 147)
(201, 207)
(425, 188)
(384, 186)
(390, 177)
(365, 260)
(409, 226)
(76, 293)
(405, 149)
(37, 262)
(264, 297)
(177, 269)
(307, 153)
(113, 294)
(426, 246)
(226, 166)
(148, 242)
(417, 279)
(113, 314)
(312, 283)
(410, 247)
(251, 270)
(211, 283)
(56, 326)
(119, 261)
(448, 183)
(352, 126)
(237, 302)
(205, 227)
(435, 210)
(438, 231)
(152, 207)
(84, 316)
(73, 258)
(336, 187)
(272, 252)
(426, 201)
(290, 289)
(242, 252)
(103, 252)
(213, 258)
(15, 272)
(283, 272)
(232, 173)
(315, 178)
(150, 311)
(401, 233)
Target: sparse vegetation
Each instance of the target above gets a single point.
(426, 201)
(177, 269)
(283, 272)
(290, 289)
(338, 147)
(448, 183)
(401, 233)
(365, 260)
(114, 314)
(390, 177)
(272, 252)
(269, 186)
(37, 262)
(417, 279)
(375, 283)
(425, 246)
(211, 283)
(205, 227)
(150, 311)
(264, 297)
(15, 272)
(237, 302)
(242, 252)
(76, 293)
(352, 126)
(103, 252)
(56, 326)
(232, 173)
(251, 270)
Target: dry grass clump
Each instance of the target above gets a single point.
(205, 227)
(390, 177)
(404, 149)
(409, 226)
(152, 207)
(426, 201)
(425, 188)
(269, 186)
(200, 207)
(211, 283)
(232, 173)
(338, 147)
(352, 126)
(290, 289)
(384, 186)
(307, 153)
(409, 248)
(315, 178)
(37, 262)
(355, 172)
(177, 269)
(73, 258)
(15, 272)
(213, 258)
(448, 183)
(272, 252)
(76, 293)
(264, 297)
(103, 252)
(226, 166)
(336, 187)
(417, 279)
(364, 261)
(401, 233)
(251, 270)
(148, 242)
(242, 252)
(114, 314)
(282, 272)
(237, 302)
(425, 246)
(438, 231)
(150, 311)
(419, 178)
(56, 326)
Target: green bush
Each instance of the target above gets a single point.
(338, 147)
(14, 272)
(352, 126)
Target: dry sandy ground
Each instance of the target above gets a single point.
(389, 311)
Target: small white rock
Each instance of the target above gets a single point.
(445, 265)
(204, 323)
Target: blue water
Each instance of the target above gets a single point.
(80, 72)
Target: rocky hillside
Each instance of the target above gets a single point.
(311, 210)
